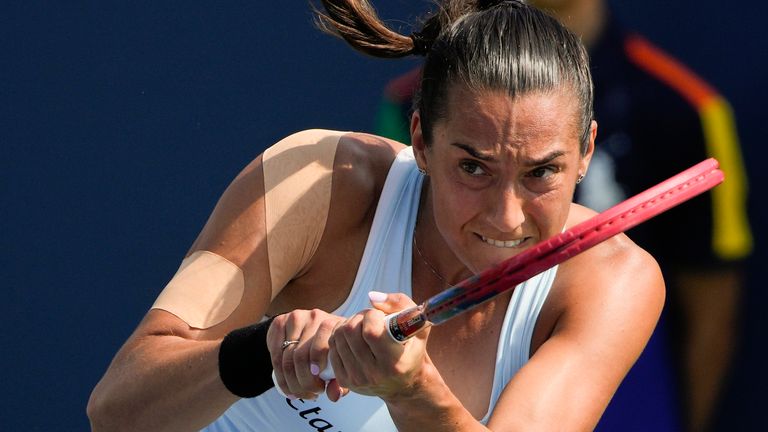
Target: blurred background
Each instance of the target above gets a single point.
(122, 122)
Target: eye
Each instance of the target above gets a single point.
(472, 168)
(543, 172)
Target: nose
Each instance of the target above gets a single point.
(506, 213)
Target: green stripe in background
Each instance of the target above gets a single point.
(392, 123)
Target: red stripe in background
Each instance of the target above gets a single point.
(669, 70)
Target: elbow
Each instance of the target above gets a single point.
(97, 424)
(96, 411)
(103, 413)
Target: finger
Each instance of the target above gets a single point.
(295, 322)
(308, 380)
(276, 331)
(390, 302)
(374, 333)
(288, 369)
(333, 356)
(309, 384)
(351, 363)
(318, 352)
(275, 338)
(358, 346)
(280, 382)
(275, 335)
(334, 391)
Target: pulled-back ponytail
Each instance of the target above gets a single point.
(480, 44)
(357, 22)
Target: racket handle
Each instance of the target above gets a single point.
(327, 373)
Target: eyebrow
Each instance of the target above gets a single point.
(528, 162)
(545, 159)
(474, 152)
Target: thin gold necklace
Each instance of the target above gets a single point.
(430, 266)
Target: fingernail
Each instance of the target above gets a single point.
(377, 297)
(290, 396)
(314, 369)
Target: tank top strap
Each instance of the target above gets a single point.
(386, 262)
(514, 347)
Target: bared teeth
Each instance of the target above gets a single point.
(502, 243)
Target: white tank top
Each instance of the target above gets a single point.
(386, 267)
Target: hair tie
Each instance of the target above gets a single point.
(420, 45)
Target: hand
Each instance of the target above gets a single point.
(297, 365)
(367, 360)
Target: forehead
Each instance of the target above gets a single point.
(491, 118)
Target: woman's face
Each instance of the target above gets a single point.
(502, 171)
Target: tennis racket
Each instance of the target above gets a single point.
(508, 274)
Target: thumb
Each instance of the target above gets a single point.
(390, 303)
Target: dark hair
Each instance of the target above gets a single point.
(483, 45)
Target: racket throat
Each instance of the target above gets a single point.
(404, 324)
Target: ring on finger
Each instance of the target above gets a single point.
(288, 343)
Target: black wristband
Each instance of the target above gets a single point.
(245, 367)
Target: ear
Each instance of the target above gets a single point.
(587, 156)
(417, 141)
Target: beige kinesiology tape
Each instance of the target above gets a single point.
(297, 192)
(206, 289)
(297, 183)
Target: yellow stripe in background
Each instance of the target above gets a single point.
(731, 237)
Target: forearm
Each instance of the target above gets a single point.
(431, 406)
(160, 383)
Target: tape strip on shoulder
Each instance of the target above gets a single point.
(297, 183)
(205, 291)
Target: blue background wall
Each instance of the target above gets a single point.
(122, 122)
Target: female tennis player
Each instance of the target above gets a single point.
(326, 232)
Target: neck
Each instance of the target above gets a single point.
(438, 267)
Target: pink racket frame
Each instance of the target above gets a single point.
(508, 274)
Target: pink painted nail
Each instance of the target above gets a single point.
(377, 297)
(314, 369)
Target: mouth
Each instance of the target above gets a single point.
(504, 243)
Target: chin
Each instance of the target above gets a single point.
(489, 260)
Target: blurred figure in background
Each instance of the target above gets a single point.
(655, 116)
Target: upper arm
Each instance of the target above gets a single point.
(262, 233)
(279, 225)
(606, 317)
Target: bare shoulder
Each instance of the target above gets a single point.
(617, 262)
(614, 277)
(360, 169)
(359, 172)
(319, 168)
(597, 319)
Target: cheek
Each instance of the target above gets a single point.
(551, 212)
(454, 206)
